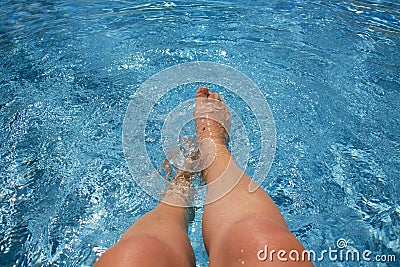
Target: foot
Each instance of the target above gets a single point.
(212, 117)
(218, 167)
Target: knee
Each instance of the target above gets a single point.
(139, 251)
(247, 240)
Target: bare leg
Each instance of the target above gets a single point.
(159, 238)
(240, 224)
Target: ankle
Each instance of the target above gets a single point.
(219, 164)
(218, 140)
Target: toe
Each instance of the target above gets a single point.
(215, 96)
(202, 92)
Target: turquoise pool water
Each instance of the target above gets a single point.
(328, 69)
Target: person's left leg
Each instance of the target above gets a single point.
(159, 238)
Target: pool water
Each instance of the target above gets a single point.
(330, 71)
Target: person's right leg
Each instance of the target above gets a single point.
(239, 225)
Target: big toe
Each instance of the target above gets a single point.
(203, 92)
